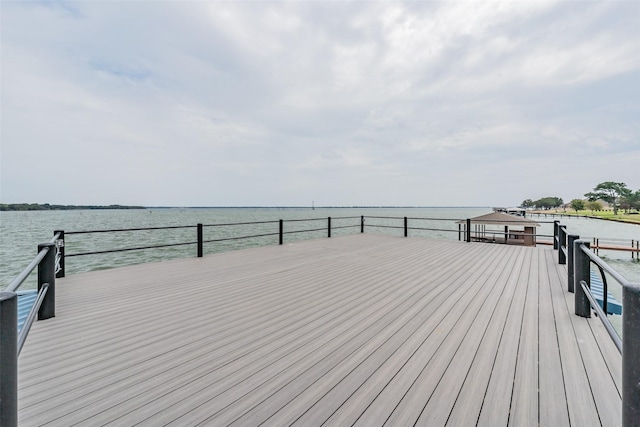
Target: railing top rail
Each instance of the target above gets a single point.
(305, 219)
(241, 223)
(19, 280)
(606, 267)
(115, 230)
(435, 219)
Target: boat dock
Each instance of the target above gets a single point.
(360, 329)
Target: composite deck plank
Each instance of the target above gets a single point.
(359, 328)
(328, 370)
(105, 390)
(553, 410)
(442, 289)
(524, 400)
(496, 405)
(357, 389)
(580, 403)
(468, 402)
(602, 385)
(437, 353)
(443, 398)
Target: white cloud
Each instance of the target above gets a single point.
(358, 103)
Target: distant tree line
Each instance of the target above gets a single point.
(616, 194)
(48, 207)
(543, 203)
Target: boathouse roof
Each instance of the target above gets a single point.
(499, 218)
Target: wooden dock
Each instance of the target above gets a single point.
(356, 330)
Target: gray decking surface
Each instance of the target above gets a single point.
(356, 330)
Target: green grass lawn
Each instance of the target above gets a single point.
(607, 214)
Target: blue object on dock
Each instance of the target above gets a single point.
(26, 299)
(597, 289)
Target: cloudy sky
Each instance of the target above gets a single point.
(342, 103)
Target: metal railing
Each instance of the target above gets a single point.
(12, 340)
(268, 230)
(580, 257)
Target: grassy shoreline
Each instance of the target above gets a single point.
(633, 218)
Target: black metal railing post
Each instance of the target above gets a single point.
(631, 355)
(329, 227)
(562, 244)
(361, 223)
(60, 245)
(200, 240)
(570, 241)
(47, 274)
(9, 358)
(468, 230)
(406, 228)
(582, 272)
(281, 232)
(555, 234)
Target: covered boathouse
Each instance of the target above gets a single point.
(516, 230)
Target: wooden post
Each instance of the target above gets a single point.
(281, 232)
(329, 227)
(200, 239)
(405, 227)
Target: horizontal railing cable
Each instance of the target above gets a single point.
(603, 317)
(26, 327)
(131, 249)
(606, 267)
(15, 283)
(224, 239)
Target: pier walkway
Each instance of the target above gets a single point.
(354, 330)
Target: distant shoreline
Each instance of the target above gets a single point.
(23, 207)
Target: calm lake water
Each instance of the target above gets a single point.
(20, 232)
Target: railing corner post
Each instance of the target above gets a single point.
(570, 274)
(631, 355)
(582, 272)
(406, 227)
(329, 227)
(281, 232)
(361, 223)
(47, 274)
(200, 241)
(60, 245)
(9, 357)
(468, 230)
